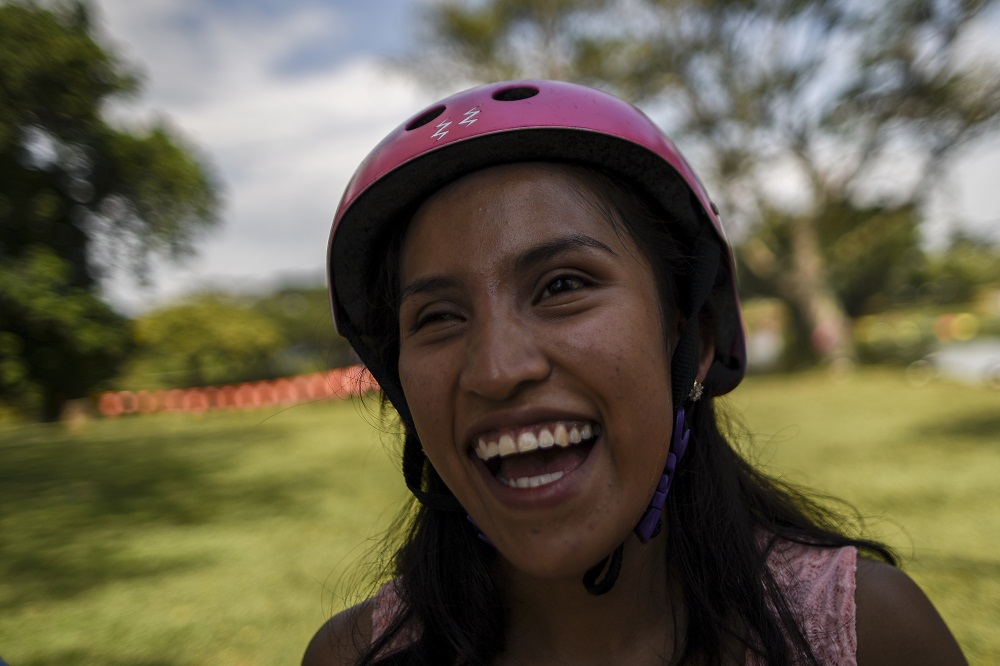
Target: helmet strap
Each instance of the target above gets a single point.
(649, 525)
(613, 565)
(414, 464)
(479, 533)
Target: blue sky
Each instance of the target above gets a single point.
(360, 27)
(286, 97)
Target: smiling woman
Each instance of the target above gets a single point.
(516, 336)
(543, 290)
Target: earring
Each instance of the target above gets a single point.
(696, 390)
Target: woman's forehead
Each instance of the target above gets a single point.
(500, 209)
(564, 180)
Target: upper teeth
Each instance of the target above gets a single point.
(561, 434)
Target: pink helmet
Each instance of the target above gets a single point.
(521, 121)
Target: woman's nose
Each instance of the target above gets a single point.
(501, 358)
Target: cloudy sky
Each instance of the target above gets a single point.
(285, 97)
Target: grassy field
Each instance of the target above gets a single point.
(228, 538)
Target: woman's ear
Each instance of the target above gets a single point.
(707, 354)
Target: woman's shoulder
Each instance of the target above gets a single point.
(818, 581)
(342, 638)
(818, 585)
(896, 622)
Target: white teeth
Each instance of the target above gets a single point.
(507, 445)
(533, 481)
(546, 437)
(527, 442)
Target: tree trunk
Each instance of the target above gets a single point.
(824, 333)
(52, 405)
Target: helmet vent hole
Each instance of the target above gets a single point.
(425, 117)
(515, 94)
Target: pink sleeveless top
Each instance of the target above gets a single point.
(819, 584)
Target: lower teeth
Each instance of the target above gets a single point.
(532, 481)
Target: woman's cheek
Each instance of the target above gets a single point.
(425, 385)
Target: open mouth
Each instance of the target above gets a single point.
(537, 455)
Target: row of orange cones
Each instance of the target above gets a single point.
(337, 383)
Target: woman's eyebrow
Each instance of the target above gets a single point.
(536, 255)
(553, 248)
(428, 284)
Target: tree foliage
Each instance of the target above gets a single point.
(302, 313)
(60, 337)
(967, 265)
(204, 340)
(218, 338)
(822, 127)
(78, 196)
(872, 255)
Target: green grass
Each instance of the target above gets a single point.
(174, 540)
(228, 538)
(921, 463)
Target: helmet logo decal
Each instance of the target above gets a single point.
(470, 116)
(442, 129)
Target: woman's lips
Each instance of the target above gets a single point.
(536, 455)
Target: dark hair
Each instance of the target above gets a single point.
(723, 516)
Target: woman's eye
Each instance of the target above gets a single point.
(429, 318)
(563, 284)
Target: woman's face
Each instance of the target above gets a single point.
(535, 364)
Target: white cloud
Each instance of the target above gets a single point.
(284, 144)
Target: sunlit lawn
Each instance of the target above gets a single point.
(228, 538)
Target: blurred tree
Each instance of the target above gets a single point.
(77, 197)
(871, 255)
(828, 120)
(206, 339)
(217, 338)
(967, 264)
(302, 314)
(62, 337)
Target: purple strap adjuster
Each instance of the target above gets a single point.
(482, 537)
(648, 526)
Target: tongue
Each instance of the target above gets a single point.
(545, 461)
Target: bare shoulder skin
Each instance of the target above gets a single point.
(338, 641)
(897, 623)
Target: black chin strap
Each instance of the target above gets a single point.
(613, 564)
(413, 472)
